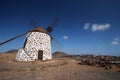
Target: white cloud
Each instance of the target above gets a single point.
(86, 26)
(100, 27)
(65, 37)
(116, 41)
(96, 27)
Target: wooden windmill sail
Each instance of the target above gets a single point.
(37, 45)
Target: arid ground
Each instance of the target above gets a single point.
(56, 69)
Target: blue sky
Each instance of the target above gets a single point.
(85, 26)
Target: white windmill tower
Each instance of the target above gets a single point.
(37, 45)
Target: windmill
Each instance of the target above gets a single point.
(37, 45)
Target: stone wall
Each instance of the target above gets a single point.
(35, 41)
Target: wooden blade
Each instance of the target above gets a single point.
(54, 22)
(12, 39)
(50, 27)
(57, 45)
(33, 23)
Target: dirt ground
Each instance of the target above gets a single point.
(56, 69)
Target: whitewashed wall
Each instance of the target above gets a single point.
(35, 41)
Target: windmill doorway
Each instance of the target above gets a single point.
(40, 55)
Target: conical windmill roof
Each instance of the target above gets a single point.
(40, 29)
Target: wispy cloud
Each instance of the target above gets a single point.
(100, 27)
(116, 41)
(96, 27)
(65, 37)
(86, 26)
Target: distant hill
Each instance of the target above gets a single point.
(59, 54)
(12, 51)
